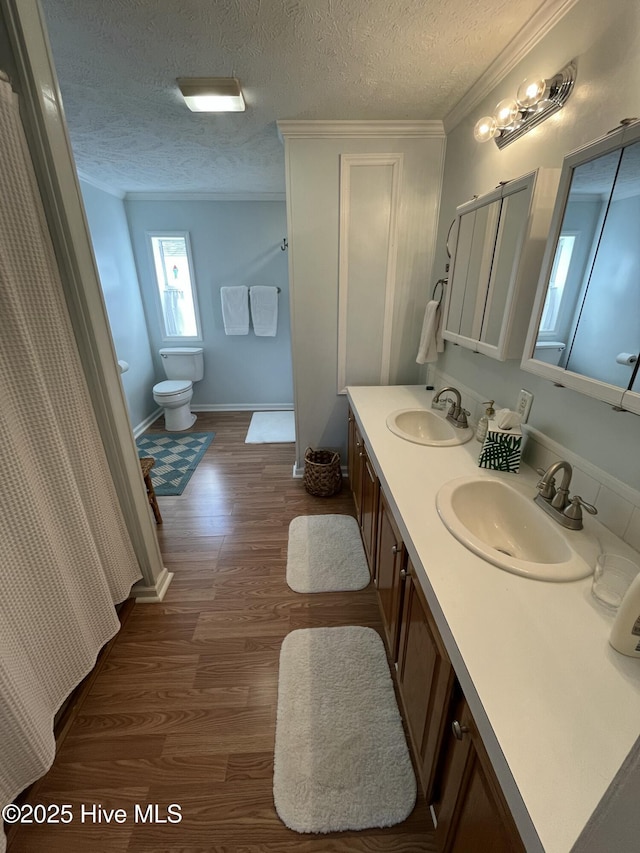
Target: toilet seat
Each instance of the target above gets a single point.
(169, 387)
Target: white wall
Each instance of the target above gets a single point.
(232, 243)
(313, 211)
(605, 42)
(119, 281)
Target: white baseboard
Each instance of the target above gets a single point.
(146, 423)
(217, 407)
(152, 594)
(243, 407)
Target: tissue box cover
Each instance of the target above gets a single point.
(501, 450)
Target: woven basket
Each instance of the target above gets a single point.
(322, 474)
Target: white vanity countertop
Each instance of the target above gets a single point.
(558, 709)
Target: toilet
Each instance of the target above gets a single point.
(183, 366)
(549, 351)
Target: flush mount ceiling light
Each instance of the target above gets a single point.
(212, 94)
(535, 101)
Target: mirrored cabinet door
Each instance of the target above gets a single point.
(611, 293)
(514, 214)
(585, 330)
(497, 255)
(474, 257)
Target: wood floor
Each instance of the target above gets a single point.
(183, 709)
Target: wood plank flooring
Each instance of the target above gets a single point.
(183, 710)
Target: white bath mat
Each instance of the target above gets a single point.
(341, 759)
(271, 428)
(325, 554)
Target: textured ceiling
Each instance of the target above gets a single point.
(117, 62)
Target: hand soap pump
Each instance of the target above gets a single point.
(483, 423)
(625, 633)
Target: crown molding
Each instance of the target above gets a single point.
(359, 129)
(202, 196)
(99, 185)
(536, 28)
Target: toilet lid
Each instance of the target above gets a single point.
(172, 386)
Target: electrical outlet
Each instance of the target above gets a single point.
(525, 398)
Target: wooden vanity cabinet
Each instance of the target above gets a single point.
(454, 770)
(467, 801)
(391, 563)
(426, 681)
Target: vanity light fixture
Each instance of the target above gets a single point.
(535, 101)
(212, 94)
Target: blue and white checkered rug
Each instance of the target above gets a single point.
(176, 455)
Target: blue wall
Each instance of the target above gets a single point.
(118, 276)
(232, 243)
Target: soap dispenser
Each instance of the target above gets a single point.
(625, 633)
(483, 423)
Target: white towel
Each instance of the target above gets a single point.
(264, 310)
(235, 310)
(431, 340)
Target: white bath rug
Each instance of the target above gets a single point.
(325, 554)
(271, 428)
(341, 759)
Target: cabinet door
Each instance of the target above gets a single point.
(472, 813)
(480, 261)
(425, 678)
(356, 466)
(472, 261)
(390, 574)
(351, 446)
(509, 239)
(369, 512)
(496, 263)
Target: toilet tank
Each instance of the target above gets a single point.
(183, 362)
(549, 351)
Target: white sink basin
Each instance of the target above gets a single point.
(423, 426)
(500, 524)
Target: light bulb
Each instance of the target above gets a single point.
(485, 129)
(506, 112)
(530, 92)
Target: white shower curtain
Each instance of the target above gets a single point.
(65, 554)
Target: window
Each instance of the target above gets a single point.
(175, 285)
(557, 281)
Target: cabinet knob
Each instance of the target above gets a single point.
(458, 731)
(361, 453)
(394, 549)
(403, 573)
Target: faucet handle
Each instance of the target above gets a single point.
(574, 510)
(461, 420)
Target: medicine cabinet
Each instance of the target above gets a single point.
(499, 245)
(585, 326)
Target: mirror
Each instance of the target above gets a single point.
(474, 253)
(585, 330)
(498, 249)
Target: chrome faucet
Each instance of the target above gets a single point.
(456, 414)
(556, 502)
